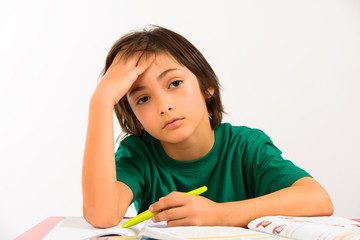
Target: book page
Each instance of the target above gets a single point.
(77, 228)
(308, 228)
(203, 233)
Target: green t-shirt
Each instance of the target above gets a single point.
(242, 164)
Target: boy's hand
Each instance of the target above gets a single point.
(186, 210)
(121, 75)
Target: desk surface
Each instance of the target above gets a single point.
(39, 231)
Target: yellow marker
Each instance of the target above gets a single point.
(147, 214)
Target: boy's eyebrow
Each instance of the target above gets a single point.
(137, 89)
(162, 75)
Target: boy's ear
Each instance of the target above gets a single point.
(210, 92)
(139, 125)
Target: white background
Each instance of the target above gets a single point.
(290, 68)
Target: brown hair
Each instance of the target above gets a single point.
(155, 40)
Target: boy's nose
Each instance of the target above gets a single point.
(166, 108)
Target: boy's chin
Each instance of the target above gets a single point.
(174, 137)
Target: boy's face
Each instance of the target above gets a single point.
(168, 103)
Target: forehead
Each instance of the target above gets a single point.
(162, 64)
(164, 59)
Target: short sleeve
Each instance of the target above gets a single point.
(129, 167)
(267, 171)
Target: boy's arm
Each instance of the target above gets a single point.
(105, 200)
(305, 197)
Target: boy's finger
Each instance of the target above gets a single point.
(180, 222)
(130, 61)
(133, 60)
(170, 215)
(174, 199)
(118, 57)
(144, 62)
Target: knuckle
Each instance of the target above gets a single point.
(154, 207)
(165, 200)
(169, 214)
(173, 193)
(159, 217)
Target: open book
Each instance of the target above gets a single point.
(308, 228)
(322, 228)
(76, 228)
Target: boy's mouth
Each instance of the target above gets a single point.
(173, 123)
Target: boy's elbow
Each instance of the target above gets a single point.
(317, 200)
(102, 223)
(325, 206)
(328, 207)
(101, 220)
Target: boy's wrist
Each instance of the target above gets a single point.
(232, 214)
(224, 215)
(104, 99)
(109, 94)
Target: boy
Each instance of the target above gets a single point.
(167, 98)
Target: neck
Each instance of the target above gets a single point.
(192, 148)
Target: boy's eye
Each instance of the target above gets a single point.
(142, 100)
(175, 83)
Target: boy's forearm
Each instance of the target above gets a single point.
(100, 196)
(304, 198)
